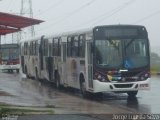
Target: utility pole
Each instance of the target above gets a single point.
(26, 11)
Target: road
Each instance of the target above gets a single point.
(15, 89)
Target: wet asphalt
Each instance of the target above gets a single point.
(16, 89)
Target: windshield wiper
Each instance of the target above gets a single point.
(129, 43)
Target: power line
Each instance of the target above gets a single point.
(52, 6)
(109, 14)
(71, 14)
(95, 19)
(77, 10)
(148, 17)
(114, 11)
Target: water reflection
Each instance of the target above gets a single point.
(40, 88)
(132, 102)
(47, 92)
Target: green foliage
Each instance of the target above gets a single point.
(155, 63)
(23, 111)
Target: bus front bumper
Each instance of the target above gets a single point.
(120, 87)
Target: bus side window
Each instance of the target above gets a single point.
(81, 48)
(69, 46)
(45, 47)
(31, 48)
(56, 47)
(36, 48)
(50, 47)
(26, 48)
(72, 46)
(75, 47)
(53, 47)
(59, 47)
(22, 49)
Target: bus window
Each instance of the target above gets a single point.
(36, 48)
(31, 48)
(45, 47)
(59, 47)
(69, 46)
(81, 51)
(75, 47)
(26, 48)
(22, 50)
(56, 47)
(50, 47)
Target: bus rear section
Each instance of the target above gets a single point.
(9, 59)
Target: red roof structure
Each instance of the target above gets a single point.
(7, 30)
(13, 23)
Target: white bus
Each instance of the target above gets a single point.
(104, 58)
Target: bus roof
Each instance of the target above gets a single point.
(81, 31)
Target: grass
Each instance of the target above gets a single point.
(155, 69)
(50, 106)
(21, 110)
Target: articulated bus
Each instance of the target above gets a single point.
(9, 57)
(112, 58)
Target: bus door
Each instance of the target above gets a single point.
(89, 66)
(63, 59)
(41, 54)
(22, 57)
(49, 63)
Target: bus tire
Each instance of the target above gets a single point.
(132, 93)
(17, 70)
(26, 72)
(84, 93)
(57, 80)
(36, 76)
(98, 96)
(11, 71)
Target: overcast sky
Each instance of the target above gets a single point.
(68, 15)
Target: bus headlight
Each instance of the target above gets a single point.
(101, 78)
(142, 78)
(146, 75)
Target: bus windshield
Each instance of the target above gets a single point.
(136, 53)
(108, 53)
(122, 53)
(9, 52)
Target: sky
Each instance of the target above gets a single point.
(68, 15)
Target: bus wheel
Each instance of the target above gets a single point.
(17, 70)
(36, 77)
(132, 93)
(57, 81)
(83, 89)
(26, 72)
(98, 96)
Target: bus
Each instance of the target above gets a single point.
(109, 58)
(9, 57)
